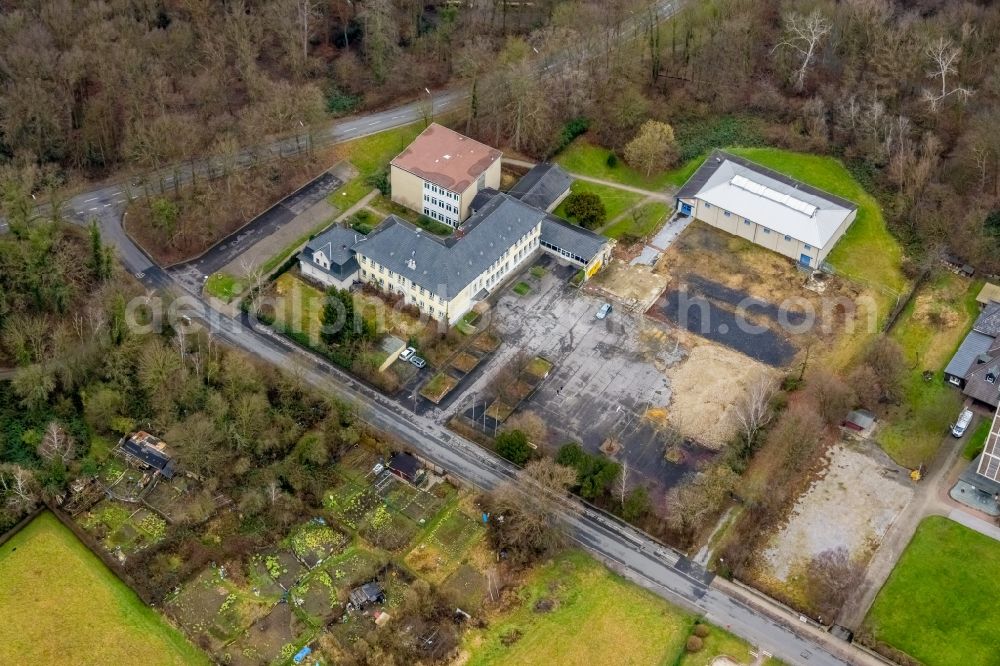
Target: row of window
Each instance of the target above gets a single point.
(440, 217)
(439, 190)
(748, 222)
(442, 204)
(429, 309)
(565, 253)
(402, 280)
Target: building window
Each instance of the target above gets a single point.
(788, 238)
(766, 230)
(745, 221)
(727, 213)
(708, 205)
(808, 246)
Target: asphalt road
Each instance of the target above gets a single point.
(661, 570)
(633, 553)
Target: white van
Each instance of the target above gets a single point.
(962, 424)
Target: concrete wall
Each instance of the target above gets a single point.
(758, 234)
(407, 189)
(434, 304)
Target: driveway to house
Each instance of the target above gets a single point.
(931, 499)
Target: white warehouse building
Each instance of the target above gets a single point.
(766, 207)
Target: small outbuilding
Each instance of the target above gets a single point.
(988, 295)
(369, 593)
(146, 452)
(406, 466)
(860, 420)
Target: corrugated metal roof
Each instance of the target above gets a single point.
(975, 343)
(768, 198)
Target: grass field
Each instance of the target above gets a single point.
(648, 218)
(615, 201)
(61, 605)
(940, 603)
(867, 251)
(369, 155)
(930, 329)
(587, 159)
(596, 617)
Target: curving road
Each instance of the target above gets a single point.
(633, 553)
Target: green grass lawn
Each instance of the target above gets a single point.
(867, 251)
(647, 219)
(929, 330)
(596, 617)
(522, 288)
(587, 159)
(223, 286)
(977, 440)
(369, 155)
(60, 605)
(940, 603)
(615, 201)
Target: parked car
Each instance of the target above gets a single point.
(407, 353)
(604, 311)
(962, 424)
(417, 361)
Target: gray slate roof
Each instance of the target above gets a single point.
(336, 243)
(972, 347)
(976, 385)
(446, 267)
(572, 238)
(542, 186)
(989, 321)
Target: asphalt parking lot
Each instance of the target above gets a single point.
(609, 374)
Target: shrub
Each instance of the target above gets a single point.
(339, 102)
(694, 644)
(570, 131)
(700, 630)
(513, 445)
(612, 161)
(586, 208)
(380, 181)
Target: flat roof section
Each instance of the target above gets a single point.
(446, 158)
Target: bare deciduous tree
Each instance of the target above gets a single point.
(623, 482)
(832, 575)
(753, 410)
(18, 487)
(803, 36)
(944, 55)
(56, 444)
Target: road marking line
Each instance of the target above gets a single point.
(374, 123)
(94, 208)
(90, 199)
(350, 129)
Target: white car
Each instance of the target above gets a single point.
(417, 361)
(962, 424)
(407, 353)
(604, 311)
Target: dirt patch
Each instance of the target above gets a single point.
(637, 286)
(706, 385)
(464, 362)
(851, 504)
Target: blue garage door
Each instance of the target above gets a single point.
(805, 260)
(685, 209)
